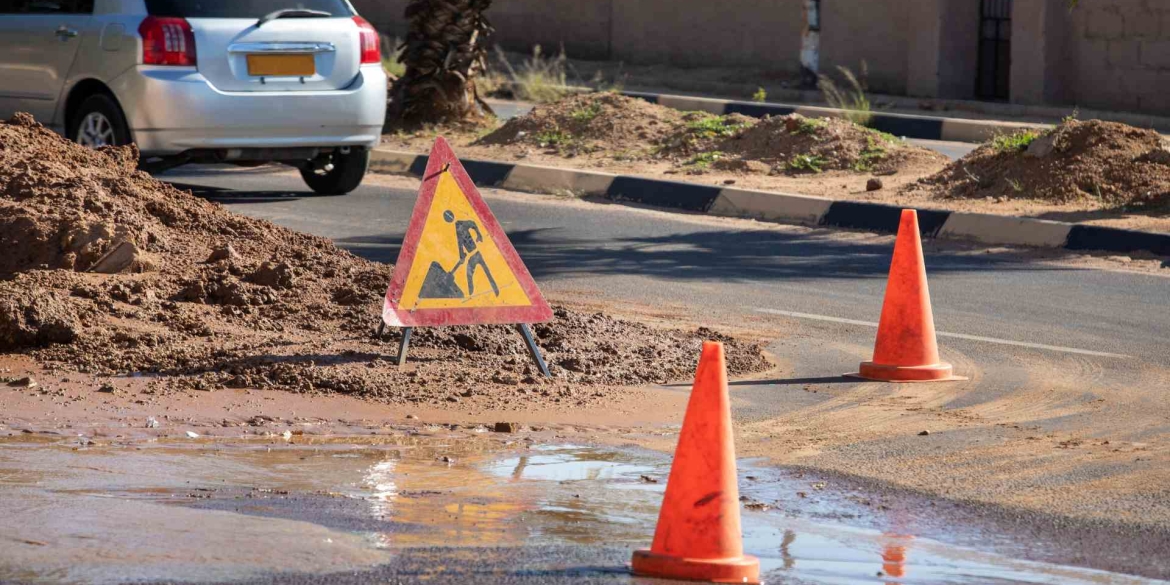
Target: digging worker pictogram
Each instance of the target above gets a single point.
(452, 246)
(469, 253)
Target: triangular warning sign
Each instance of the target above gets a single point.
(457, 266)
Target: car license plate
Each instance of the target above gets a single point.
(275, 65)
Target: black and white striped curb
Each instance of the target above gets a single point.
(905, 125)
(785, 208)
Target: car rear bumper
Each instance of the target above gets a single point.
(171, 110)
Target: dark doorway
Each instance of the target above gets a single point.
(995, 50)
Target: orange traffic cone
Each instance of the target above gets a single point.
(906, 349)
(698, 535)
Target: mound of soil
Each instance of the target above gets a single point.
(109, 271)
(606, 125)
(589, 123)
(795, 143)
(1107, 163)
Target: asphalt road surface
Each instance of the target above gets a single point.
(1009, 320)
(985, 303)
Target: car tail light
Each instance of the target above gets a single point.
(371, 48)
(167, 41)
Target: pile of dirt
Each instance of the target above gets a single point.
(109, 271)
(1107, 163)
(611, 126)
(588, 123)
(796, 144)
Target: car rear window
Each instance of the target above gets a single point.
(240, 8)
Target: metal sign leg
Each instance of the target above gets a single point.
(404, 346)
(532, 349)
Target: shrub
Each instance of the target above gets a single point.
(391, 51)
(809, 126)
(711, 126)
(538, 79)
(806, 163)
(1014, 142)
(870, 155)
(554, 138)
(704, 159)
(851, 99)
(587, 113)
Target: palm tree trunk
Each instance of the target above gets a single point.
(445, 49)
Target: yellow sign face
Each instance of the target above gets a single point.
(457, 263)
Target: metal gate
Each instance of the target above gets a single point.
(995, 50)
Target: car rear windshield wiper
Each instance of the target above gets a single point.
(293, 12)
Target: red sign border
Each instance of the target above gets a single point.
(537, 312)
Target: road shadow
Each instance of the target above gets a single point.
(781, 382)
(233, 196)
(1122, 212)
(728, 255)
(798, 381)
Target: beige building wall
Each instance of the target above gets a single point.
(1106, 54)
(874, 31)
(1119, 55)
(762, 34)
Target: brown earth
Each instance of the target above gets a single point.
(633, 137)
(610, 126)
(592, 124)
(113, 272)
(1095, 163)
(838, 144)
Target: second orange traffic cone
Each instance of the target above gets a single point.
(698, 535)
(906, 348)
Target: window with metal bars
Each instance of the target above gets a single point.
(995, 50)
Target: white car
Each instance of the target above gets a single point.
(202, 81)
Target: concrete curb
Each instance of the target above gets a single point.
(786, 208)
(906, 125)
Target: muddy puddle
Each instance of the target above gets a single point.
(207, 511)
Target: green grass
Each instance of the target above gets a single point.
(809, 126)
(806, 163)
(391, 52)
(1016, 186)
(704, 160)
(873, 153)
(760, 96)
(586, 114)
(1015, 142)
(538, 79)
(851, 99)
(886, 136)
(554, 138)
(712, 126)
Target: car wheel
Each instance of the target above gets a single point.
(98, 121)
(345, 175)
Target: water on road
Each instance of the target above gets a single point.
(75, 510)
